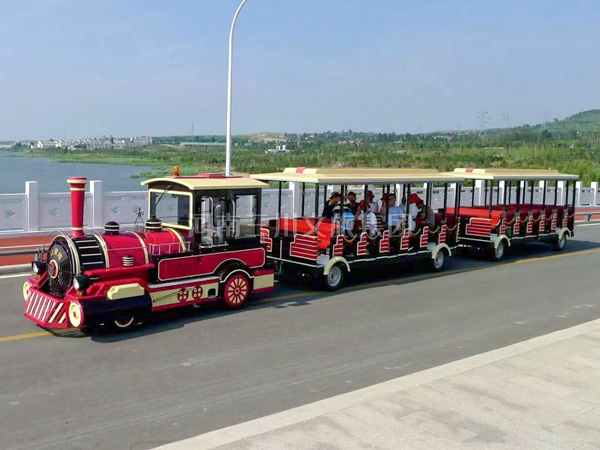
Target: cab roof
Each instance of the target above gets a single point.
(357, 175)
(205, 181)
(491, 173)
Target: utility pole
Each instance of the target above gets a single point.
(192, 129)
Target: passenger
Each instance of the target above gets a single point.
(352, 203)
(373, 208)
(345, 219)
(427, 213)
(370, 219)
(396, 213)
(331, 204)
(413, 211)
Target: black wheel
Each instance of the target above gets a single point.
(561, 243)
(439, 262)
(497, 252)
(336, 277)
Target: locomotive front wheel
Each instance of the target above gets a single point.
(124, 323)
(236, 291)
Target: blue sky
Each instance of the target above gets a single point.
(133, 67)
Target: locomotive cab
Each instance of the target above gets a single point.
(200, 244)
(210, 219)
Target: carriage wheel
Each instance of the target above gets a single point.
(561, 242)
(497, 253)
(439, 262)
(336, 277)
(236, 291)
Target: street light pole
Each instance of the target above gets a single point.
(228, 143)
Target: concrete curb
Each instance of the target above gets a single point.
(17, 268)
(293, 416)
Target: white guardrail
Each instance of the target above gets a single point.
(33, 212)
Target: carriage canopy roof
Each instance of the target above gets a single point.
(208, 181)
(512, 174)
(358, 175)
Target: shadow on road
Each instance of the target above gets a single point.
(290, 294)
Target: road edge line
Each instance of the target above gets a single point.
(234, 433)
(16, 268)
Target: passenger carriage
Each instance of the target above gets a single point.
(507, 208)
(200, 244)
(306, 244)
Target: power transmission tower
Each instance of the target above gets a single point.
(483, 118)
(546, 114)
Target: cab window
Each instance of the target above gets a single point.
(211, 223)
(246, 209)
(172, 208)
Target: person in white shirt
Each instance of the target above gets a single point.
(413, 211)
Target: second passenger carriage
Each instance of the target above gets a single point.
(516, 205)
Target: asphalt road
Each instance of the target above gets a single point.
(185, 374)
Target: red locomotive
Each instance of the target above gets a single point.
(200, 244)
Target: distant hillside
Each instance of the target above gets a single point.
(584, 122)
(259, 137)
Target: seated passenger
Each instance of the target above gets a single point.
(352, 203)
(346, 219)
(330, 205)
(373, 208)
(370, 220)
(396, 213)
(413, 211)
(427, 213)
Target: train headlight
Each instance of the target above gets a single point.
(81, 283)
(38, 267)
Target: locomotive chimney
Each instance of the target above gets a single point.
(77, 203)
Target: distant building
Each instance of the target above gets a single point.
(94, 143)
(279, 149)
(272, 140)
(201, 144)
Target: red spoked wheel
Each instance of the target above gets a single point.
(236, 291)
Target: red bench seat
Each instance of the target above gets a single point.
(325, 228)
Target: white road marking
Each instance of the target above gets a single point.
(15, 275)
(589, 224)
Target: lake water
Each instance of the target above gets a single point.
(52, 176)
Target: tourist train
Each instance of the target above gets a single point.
(205, 240)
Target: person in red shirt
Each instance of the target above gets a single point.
(373, 208)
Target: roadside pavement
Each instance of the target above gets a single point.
(543, 393)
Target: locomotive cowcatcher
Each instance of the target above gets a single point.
(200, 244)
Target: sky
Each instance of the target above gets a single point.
(85, 68)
